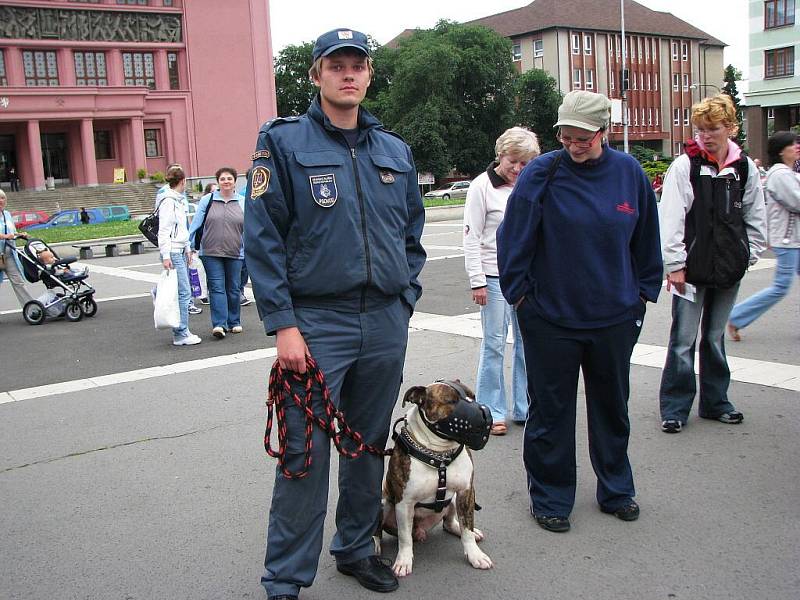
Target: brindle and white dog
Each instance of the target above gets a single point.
(411, 481)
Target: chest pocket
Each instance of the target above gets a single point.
(391, 164)
(324, 176)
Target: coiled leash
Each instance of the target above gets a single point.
(333, 423)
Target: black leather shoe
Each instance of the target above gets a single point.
(372, 573)
(554, 524)
(629, 512)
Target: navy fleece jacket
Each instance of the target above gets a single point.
(586, 251)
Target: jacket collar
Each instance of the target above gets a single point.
(365, 119)
(695, 147)
(494, 178)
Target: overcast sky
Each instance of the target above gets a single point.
(294, 21)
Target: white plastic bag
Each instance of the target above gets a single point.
(201, 272)
(166, 314)
(57, 309)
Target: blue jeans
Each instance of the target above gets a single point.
(756, 305)
(245, 276)
(223, 276)
(710, 312)
(496, 316)
(184, 293)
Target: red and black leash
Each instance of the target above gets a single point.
(332, 423)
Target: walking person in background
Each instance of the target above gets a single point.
(13, 178)
(216, 233)
(483, 212)
(9, 265)
(85, 218)
(173, 245)
(782, 189)
(712, 228)
(586, 213)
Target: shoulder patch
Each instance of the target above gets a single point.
(259, 181)
(260, 154)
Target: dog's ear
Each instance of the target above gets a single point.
(415, 395)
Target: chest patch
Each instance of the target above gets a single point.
(323, 189)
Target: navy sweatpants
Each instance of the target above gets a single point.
(361, 356)
(554, 356)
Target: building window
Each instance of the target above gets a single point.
(628, 115)
(152, 142)
(674, 50)
(587, 43)
(655, 52)
(677, 148)
(576, 79)
(576, 43)
(647, 50)
(779, 62)
(90, 68)
(172, 68)
(616, 43)
(633, 81)
(589, 79)
(684, 51)
(610, 47)
(639, 48)
(134, 2)
(650, 117)
(657, 111)
(676, 116)
(649, 81)
(87, 1)
(641, 81)
(685, 82)
(778, 13)
(103, 145)
(516, 51)
(643, 119)
(41, 68)
(770, 113)
(611, 79)
(167, 2)
(635, 117)
(3, 78)
(138, 69)
(655, 82)
(686, 117)
(538, 48)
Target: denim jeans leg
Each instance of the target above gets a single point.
(245, 276)
(715, 376)
(490, 385)
(756, 305)
(233, 277)
(184, 293)
(678, 384)
(217, 298)
(519, 378)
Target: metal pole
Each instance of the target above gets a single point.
(622, 83)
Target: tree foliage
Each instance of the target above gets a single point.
(733, 74)
(537, 99)
(293, 88)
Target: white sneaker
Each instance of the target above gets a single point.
(218, 332)
(236, 329)
(189, 340)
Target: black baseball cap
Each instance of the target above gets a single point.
(338, 39)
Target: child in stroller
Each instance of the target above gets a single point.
(67, 293)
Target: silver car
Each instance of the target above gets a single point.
(454, 189)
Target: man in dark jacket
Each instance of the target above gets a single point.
(333, 221)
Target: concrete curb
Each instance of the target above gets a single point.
(444, 213)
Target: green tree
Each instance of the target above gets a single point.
(293, 88)
(732, 75)
(537, 99)
(448, 92)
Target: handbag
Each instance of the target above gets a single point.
(149, 226)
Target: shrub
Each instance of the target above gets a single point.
(141, 173)
(158, 177)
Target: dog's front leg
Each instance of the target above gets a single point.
(465, 507)
(404, 512)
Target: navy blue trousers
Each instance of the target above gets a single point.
(554, 356)
(361, 356)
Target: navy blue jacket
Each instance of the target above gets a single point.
(334, 228)
(585, 250)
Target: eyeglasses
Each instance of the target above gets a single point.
(577, 141)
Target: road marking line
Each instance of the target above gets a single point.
(444, 257)
(98, 300)
(136, 375)
(432, 247)
(456, 224)
(120, 272)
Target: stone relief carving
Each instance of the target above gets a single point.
(88, 25)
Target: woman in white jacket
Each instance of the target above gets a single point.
(173, 245)
(782, 189)
(483, 213)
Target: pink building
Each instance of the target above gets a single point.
(88, 86)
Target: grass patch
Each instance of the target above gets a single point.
(71, 233)
(430, 202)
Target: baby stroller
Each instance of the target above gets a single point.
(68, 294)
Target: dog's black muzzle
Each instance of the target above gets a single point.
(468, 424)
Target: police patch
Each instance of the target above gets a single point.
(387, 177)
(323, 189)
(259, 182)
(260, 154)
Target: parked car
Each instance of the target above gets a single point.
(70, 217)
(454, 189)
(25, 218)
(115, 212)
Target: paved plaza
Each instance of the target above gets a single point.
(134, 470)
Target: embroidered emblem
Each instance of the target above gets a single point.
(626, 208)
(259, 182)
(345, 35)
(260, 154)
(387, 177)
(323, 189)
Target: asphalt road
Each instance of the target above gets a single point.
(157, 487)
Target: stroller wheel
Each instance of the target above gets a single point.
(89, 306)
(73, 312)
(33, 312)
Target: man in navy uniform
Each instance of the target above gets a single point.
(333, 221)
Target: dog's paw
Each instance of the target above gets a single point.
(402, 565)
(479, 559)
(478, 535)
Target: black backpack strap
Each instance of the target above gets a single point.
(743, 168)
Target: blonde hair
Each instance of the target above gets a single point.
(519, 142)
(313, 72)
(714, 111)
(3, 195)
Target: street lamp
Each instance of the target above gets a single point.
(695, 86)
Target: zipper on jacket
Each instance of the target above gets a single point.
(360, 195)
(727, 197)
